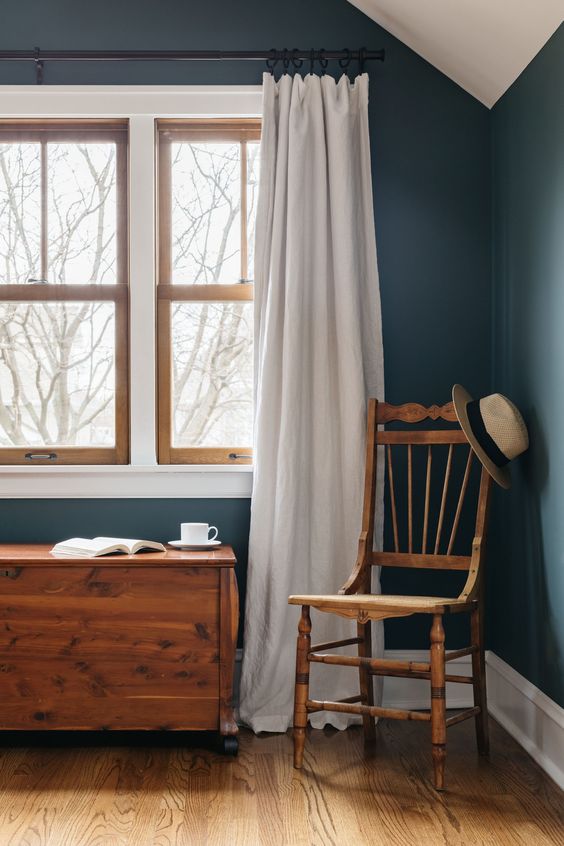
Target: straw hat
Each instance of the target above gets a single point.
(495, 429)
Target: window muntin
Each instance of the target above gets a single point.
(208, 184)
(63, 292)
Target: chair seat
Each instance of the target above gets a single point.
(359, 602)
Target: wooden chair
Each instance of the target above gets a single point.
(355, 600)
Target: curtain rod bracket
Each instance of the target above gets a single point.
(38, 67)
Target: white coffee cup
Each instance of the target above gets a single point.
(196, 533)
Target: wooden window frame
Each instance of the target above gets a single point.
(239, 130)
(42, 131)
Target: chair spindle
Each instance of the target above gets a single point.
(393, 499)
(460, 501)
(443, 499)
(409, 499)
(427, 495)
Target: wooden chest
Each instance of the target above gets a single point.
(119, 642)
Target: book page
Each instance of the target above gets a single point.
(127, 543)
(131, 544)
(89, 546)
(83, 547)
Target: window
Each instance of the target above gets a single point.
(63, 292)
(207, 187)
(94, 319)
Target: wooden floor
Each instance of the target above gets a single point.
(156, 793)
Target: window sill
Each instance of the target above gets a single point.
(126, 481)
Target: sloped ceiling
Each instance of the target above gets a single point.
(483, 45)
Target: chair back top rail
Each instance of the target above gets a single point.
(413, 412)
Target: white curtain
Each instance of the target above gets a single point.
(318, 356)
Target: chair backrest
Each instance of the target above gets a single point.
(424, 517)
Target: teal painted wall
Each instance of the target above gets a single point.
(526, 575)
(431, 159)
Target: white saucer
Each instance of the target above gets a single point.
(209, 545)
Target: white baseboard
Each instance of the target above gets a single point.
(527, 714)
(534, 720)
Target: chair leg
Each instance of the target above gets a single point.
(479, 676)
(302, 686)
(438, 700)
(364, 630)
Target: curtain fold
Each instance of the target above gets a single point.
(318, 356)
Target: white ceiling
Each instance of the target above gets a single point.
(483, 45)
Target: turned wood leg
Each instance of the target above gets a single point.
(479, 684)
(366, 681)
(302, 686)
(438, 700)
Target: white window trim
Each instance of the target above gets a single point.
(142, 105)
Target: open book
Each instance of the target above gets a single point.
(92, 547)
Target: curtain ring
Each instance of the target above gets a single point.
(323, 62)
(361, 60)
(311, 61)
(346, 60)
(286, 59)
(38, 68)
(272, 61)
(296, 62)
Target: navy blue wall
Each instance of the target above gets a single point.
(431, 159)
(526, 571)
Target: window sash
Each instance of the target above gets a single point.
(170, 131)
(44, 131)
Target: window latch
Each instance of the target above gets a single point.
(37, 282)
(41, 456)
(235, 455)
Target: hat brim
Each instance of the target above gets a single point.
(460, 399)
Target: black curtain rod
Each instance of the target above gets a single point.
(186, 55)
(294, 58)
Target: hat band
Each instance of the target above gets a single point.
(482, 435)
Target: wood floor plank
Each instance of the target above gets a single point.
(86, 798)
(236, 798)
(185, 799)
(162, 791)
(27, 812)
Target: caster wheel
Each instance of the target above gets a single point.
(229, 744)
